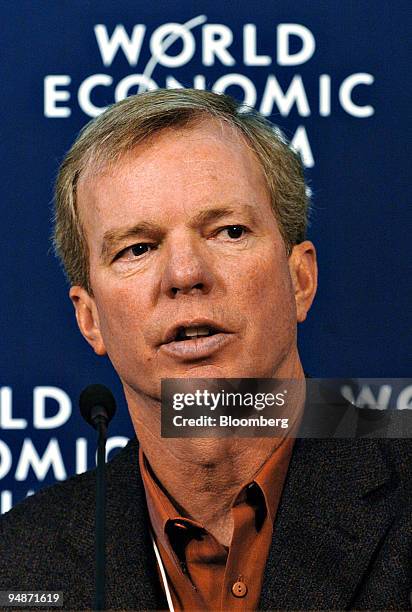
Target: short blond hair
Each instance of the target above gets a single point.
(126, 124)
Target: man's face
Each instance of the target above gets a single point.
(183, 243)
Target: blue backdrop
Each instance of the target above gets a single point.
(332, 74)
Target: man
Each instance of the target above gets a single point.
(181, 223)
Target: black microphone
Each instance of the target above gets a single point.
(97, 407)
(97, 404)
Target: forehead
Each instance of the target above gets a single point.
(175, 173)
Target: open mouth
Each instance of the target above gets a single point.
(195, 340)
(190, 333)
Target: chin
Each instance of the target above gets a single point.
(205, 371)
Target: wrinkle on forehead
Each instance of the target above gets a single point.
(98, 164)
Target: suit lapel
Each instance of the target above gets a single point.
(334, 511)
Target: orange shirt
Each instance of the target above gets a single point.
(202, 574)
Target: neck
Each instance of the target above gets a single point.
(203, 475)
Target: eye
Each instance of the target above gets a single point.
(135, 251)
(140, 249)
(234, 232)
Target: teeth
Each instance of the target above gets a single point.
(193, 332)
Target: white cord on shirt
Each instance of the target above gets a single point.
(163, 575)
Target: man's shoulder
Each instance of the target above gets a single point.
(344, 462)
(48, 539)
(52, 507)
(396, 452)
(34, 554)
(46, 510)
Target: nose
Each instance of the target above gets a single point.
(187, 270)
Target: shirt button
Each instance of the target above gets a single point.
(239, 589)
(179, 525)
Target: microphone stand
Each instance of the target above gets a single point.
(100, 525)
(97, 407)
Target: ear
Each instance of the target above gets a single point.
(304, 273)
(87, 318)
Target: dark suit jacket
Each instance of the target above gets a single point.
(342, 537)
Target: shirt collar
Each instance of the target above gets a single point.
(269, 479)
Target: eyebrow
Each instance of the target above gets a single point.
(117, 235)
(154, 231)
(214, 214)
